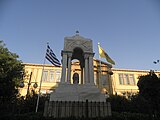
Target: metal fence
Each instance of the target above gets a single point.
(59, 109)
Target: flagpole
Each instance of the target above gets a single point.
(40, 84)
(99, 64)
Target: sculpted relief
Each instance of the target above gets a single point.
(77, 41)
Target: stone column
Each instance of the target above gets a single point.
(86, 68)
(64, 66)
(91, 69)
(69, 68)
(82, 76)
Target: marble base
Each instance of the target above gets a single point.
(77, 92)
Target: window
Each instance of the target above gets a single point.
(121, 79)
(52, 76)
(126, 79)
(58, 75)
(45, 76)
(131, 78)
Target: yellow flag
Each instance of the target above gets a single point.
(103, 54)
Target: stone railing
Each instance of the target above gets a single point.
(59, 109)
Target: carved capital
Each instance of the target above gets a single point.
(63, 53)
(91, 55)
(86, 56)
(69, 55)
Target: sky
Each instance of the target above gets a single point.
(128, 30)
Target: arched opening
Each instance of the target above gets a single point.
(78, 61)
(79, 55)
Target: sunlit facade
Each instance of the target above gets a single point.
(124, 81)
(121, 82)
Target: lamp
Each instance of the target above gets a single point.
(22, 85)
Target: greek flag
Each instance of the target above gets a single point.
(51, 57)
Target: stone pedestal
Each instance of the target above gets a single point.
(77, 92)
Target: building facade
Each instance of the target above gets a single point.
(109, 80)
(124, 81)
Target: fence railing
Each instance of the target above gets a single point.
(59, 109)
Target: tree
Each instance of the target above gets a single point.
(119, 103)
(139, 105)
(149, 89)
(11, 70)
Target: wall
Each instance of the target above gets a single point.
(106, 82)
